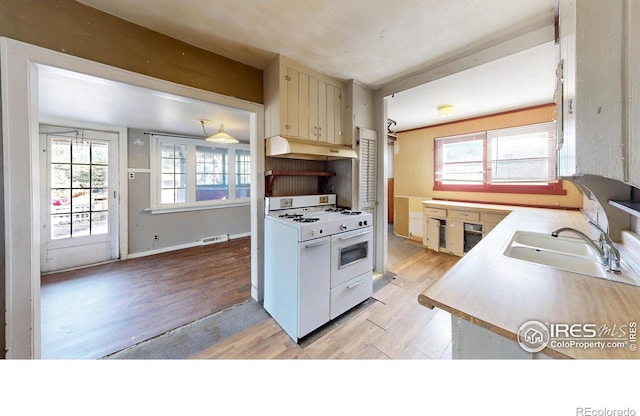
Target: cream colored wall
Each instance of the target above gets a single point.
(413, 161)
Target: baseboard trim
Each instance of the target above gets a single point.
(178, 247)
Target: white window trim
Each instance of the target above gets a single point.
(155, 207)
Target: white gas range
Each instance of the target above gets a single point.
(318, 261)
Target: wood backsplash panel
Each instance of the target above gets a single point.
(294, 185)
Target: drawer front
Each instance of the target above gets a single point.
(351, 293)
(435, 212)
(465, 215)
(494, 218)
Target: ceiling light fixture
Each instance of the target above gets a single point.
(446, 110)
(220, 137)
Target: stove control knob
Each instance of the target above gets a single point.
(365, 223)
(360, 224)
(313, 232)
(343, 227)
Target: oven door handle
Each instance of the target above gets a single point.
(322, 243)
(353, 236)
(352, 285)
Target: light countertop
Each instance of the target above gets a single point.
(500, 293)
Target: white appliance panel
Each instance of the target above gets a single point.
(314, 290)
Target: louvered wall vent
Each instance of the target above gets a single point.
(215, 239)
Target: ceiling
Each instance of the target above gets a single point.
(374, 42)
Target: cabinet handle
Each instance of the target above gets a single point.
(316, 244)
(319, 131)
(359, 282)
(353, 236)
(287, 77)
(287, 126)
(315, 131)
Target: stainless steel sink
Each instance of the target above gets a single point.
(564, 253)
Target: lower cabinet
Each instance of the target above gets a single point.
(470, 341)
(455, 237)
(457, 231)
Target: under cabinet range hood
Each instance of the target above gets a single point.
(283, 147)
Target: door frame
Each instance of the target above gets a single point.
(21, 178)
(122, 213)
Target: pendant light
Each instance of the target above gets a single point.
(220, 137)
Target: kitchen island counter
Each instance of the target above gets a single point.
(499, 294)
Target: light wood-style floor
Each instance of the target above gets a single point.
(392, 326)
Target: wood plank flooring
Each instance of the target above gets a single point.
(391, 326)
(95, 311)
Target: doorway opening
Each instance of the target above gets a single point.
(22, 113)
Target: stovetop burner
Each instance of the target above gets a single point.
(351, 212)
(334, 210)
(306, 219)
(290, 216)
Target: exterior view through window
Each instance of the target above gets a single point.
(192, 173)
(79, 187)
(520, 159)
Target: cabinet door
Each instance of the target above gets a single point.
(594, 64)
(303, 106)
(290, 104)
(313, 109)
(322, 111)
(433, 234)
(455, 237)
(334, 115)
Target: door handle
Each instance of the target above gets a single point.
(359, 282)
(354, 236)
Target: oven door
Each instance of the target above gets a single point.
(351, 255)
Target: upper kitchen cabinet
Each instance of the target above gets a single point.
(599, 77)
(303, 104)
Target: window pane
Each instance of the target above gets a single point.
(60, 201)
(99, 199)
(462, 151)
(168, 150)
(60, 226)
(80, 176)
(173, 179)
(80, 151)
(526, 171)
(462, 161)
(167, 166)
(167, 196)
(462, 173)
(180, 180)
(522, 155)
(181, 196)
(60, 176)
(60, 150)
(211, 174)
(243, 192)
(81, 224)
(243, 173)
(99, 176)
(79, 200)
(99, 153)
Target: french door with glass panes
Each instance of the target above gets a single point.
(80, 216)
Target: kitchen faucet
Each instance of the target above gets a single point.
(613, 255)
(609, 255)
